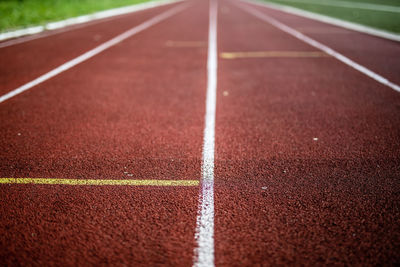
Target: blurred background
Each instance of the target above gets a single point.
(380, 14)
(16, 14)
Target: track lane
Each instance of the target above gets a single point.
(307, 155)
(135, 111)
(26, 61)
(375, 53)
(107, 109)
(280, 177)
(70, 226)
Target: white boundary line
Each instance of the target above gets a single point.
(326, 19)
(94, 51)
(356, 5)
(204, 235)
(322, 47)
(79, 20)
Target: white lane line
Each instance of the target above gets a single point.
(326, 19)
(337, 3)
(204, 235)
(322, 47)
(78, 20)
(27, 38)
(94, 51)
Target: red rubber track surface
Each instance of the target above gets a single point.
(372, 52)
(24, 62)
(281, 197)
(134, 111)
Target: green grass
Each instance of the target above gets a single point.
(377, 2)
(22, 13)
(388, 21)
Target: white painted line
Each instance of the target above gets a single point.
(322, 47)
(326, 19)
(94, 51)
(21, 32)
(356, 5)
(77, 20)
(43, 34)
(204, 235)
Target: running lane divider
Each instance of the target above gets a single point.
(204, 235)
(94, 51)
(320, 46)
(56, 181)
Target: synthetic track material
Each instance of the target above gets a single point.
(372, 52)
(21, 63)
(104, 119)
(307, 149)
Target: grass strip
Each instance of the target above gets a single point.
(389, 21)
(15, 14)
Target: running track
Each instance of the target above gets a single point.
(304, 170)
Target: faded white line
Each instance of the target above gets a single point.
(94, 52)
(204, 235)
(322, 47)
(78, 20)
(326, 19)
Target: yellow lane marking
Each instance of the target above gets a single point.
(260, 54)
(185, 43)
(98, 182)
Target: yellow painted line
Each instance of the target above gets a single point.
(261, 54)
(53, 181)
(185, 43)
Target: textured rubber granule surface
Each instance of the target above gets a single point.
(373, 52)
(24, 62)
(134, 111)
(70, 226)
(307, 156)
(307, 149)
(130, 109)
